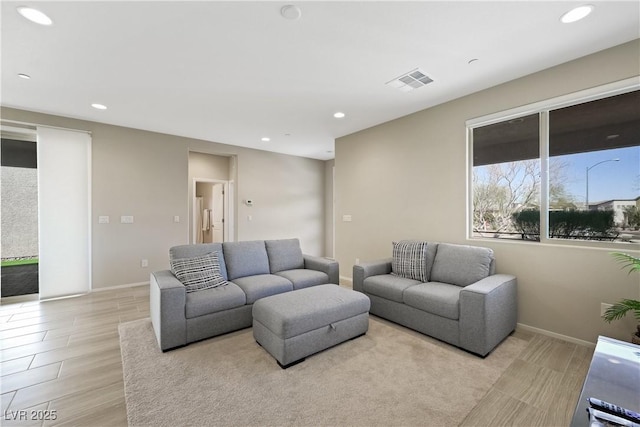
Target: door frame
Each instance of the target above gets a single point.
(226, 212)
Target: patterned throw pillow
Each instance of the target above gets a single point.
(410, 260)
(198, 273)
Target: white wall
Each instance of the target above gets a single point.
(407, 179)
(145, 174)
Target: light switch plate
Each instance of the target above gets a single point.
(126, 219)
(103, 219)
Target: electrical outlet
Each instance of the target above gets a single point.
(144, 263)
(357, 260)
(603, 307)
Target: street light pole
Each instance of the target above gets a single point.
(588, 169)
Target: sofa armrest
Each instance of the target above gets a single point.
(167, 307)
(367, 269)
(328, 266)
(488, 312)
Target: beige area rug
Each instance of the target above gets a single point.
(390, 376)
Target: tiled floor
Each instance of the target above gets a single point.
(62, 359)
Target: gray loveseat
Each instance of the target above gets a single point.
(250, 270)
(447, 291)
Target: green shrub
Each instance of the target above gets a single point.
(567, 224)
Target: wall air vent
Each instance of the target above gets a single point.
(409, 81)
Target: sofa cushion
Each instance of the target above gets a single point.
(198, 273)
(441, 299)
(302, 278)
(388, 286)
(190, 251)
(245, 258)
(410, 260)
(284, 254)
(214, 300)
(263, 285)
(461, 265)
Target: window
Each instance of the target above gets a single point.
(506, 175)
(570, 171)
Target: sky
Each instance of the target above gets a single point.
(619, 180)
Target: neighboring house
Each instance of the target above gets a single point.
(617, 206)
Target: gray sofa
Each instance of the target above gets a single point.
(252, 269)
(456, 296)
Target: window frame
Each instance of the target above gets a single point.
(542, 108)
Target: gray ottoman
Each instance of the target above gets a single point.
(297, 324)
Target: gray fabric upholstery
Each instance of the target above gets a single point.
(167, 298)
(190, 251)
(284, 254)
(287, 351)
(432, 249)
(295, 313)
(437, 298)
(367, 269)
(245, 258)
(263, 285)
(180, 318)
(210, 325)
(427, 323)
(213, 300)
(388, 286)
(488, 312)
(303, 278)
(461, 265)
(465, 303)
(297, 324)
(328, 266)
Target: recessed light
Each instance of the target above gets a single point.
(265, 139)
(291, 12)
(576, 14)
(24, 76)
(34, 15)
(339, 115)
(99, 106)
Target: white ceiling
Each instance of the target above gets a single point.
(234, 72)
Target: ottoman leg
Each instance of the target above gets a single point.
(290, 364)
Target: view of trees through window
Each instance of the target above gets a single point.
(593, 180)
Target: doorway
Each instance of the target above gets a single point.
(46, 229)
(19, 178)
(210, 210)
(211, 198)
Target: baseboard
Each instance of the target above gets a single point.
(128, 285)
(567, 338)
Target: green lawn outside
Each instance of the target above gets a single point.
(14, 262)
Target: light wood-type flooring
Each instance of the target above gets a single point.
(61, 359)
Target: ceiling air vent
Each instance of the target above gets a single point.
(412, 80)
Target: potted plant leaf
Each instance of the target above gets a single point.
(621, 308)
